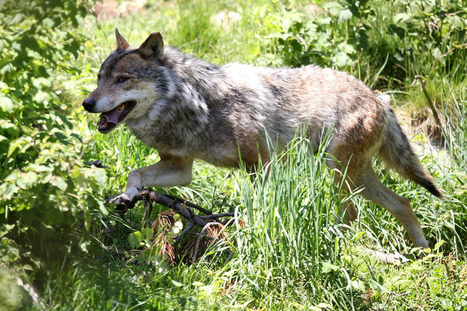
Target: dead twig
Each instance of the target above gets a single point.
(450, 50)
(455, 47)
(187, 203)
(454, 13)
(429, 101)
(182, 207)
(203, 234)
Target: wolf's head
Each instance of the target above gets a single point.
(126, 82)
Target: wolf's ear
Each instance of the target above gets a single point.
(121, 42)
(153, 47)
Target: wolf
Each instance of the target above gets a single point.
(190, 109)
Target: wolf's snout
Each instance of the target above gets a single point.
(89, 104)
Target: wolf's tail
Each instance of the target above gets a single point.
(397, 153)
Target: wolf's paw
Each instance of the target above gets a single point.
(124, 202)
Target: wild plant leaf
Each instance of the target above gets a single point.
(456, 22)
(135, 239)
(60, 182)
(6, 104)
(21, 143)
(99, 175)
(344, 15)
(147, 233)
(396, 30)
(334, 8)
(329, 267)
(26, 180)
(401, 18)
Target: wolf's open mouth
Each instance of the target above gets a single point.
(109, 120)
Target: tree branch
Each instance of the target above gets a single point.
(181, 207)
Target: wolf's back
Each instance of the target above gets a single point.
(397, 153)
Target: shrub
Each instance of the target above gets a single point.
(397, 39)
(47, 195)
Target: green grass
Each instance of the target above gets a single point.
(291, 253)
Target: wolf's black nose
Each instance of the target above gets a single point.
(89, 104)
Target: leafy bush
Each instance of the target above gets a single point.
(398, 38)
(46, 192)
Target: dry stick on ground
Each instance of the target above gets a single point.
(435, 113)
(202, 235)
(181, 208)
(428, 99)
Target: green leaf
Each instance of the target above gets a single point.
(401, 18)
(197, 284)
(22, 142)
(7, 190)
(10, 128)
(62, 138)
(344, 16)
(12, 177)
(60, 183)
(342, 59)
(26, 180)
(102, 209)
(48, 22)
(99, 175)
(176, 228)
(455, 22)
(147, 233)
(328, 267)
(5, 229)
(358, 285)
(7, 105)
(334, 8)
(176, 284)
(3, 139)
(324, 305)
(29, 43)
(135, 239)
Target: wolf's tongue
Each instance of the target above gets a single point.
(110, 117)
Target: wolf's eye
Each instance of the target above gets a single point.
(122, 79)
(98, 76)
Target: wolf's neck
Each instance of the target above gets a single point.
(192, 72)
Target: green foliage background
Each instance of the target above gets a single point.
(57, 234)
(47, 195)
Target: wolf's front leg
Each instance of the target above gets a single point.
(168, 172)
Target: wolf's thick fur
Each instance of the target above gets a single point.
(190, 109)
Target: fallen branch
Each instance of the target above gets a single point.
(187, 203)
(451, 49)
(430, 102)
(203, 234)
(183, 208)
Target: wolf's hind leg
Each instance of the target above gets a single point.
(347, 208)
(169, 171)
(344, 171)
(399, 206)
